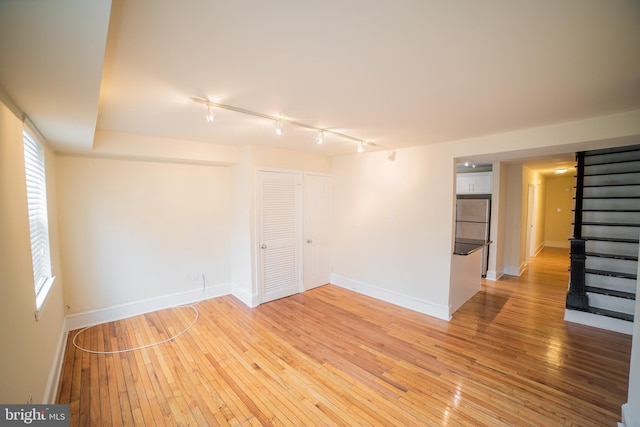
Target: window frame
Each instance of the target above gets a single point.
(37, 209)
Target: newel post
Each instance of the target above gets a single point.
(577, 297)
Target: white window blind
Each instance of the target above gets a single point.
(38, 221)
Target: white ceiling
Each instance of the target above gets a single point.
(51, 57)
(398, 73)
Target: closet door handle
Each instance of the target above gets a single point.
(309, 241)
(263, 246)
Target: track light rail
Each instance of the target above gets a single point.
(281, 120)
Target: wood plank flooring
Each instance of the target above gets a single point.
(333, 357)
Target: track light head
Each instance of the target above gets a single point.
(210, 116)
(278, 127)
(320, 137)
(360, 146)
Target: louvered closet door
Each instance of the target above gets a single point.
(279, 208)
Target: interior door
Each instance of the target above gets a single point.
(279, 233)
(317, 230)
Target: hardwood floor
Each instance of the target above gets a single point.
(333, 357)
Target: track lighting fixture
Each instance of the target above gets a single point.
(280, 122)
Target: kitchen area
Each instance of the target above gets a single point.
(471, 234)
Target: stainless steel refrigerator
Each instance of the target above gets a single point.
(473, 218)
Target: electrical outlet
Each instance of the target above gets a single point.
(67, 308)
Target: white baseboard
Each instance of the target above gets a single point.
(552, 244)
(627, 416)
(415, 304)
(122, 311)
(538, 249)
(51, 389)
(494, 275)
(251, 300)
(515, 271)
(597, 321)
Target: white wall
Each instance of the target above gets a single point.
(242, 272)
(559, 211)
(127, 145)
(535, 179)
(29, 348)
(392, 222)
(263, 156)
(134, 230)
(514, 258)
(498, 221)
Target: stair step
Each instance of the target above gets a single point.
(611, 231)
(611, 191)
(612, 150)
(611, 239)
(608, 210)
(615, 179)
(612, 224)
(611, 203)
(610, 313)
(612, 264)
(633, 165)
(609, 173)
(613, 256)
(622, 326)
(610, 162)
(611, 273)
(610, 282)
(610, 292)
(612, 154)
(629, 172)
(630, 184)
(607, 197)
(608, 217)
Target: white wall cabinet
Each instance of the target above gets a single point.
(473, 183)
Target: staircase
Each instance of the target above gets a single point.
(604, 249)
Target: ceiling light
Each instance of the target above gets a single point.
(466, 164)
(210, 116)
(278, 127)
(320, 137)
(560, 170)
(360, 147)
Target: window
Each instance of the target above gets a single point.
(38, 221)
